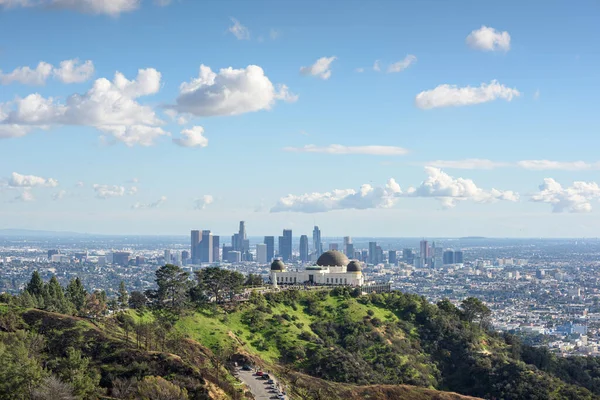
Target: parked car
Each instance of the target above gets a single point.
(270, 381)
(266, 376)
(259, 373)
(247, 368)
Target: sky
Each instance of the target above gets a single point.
(367, 118)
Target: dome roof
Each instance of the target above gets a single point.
(354, 266)
(332, 258)
(277, 265)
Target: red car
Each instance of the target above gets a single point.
(259, 373)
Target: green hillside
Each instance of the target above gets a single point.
(65, 343)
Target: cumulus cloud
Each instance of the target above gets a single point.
(110, 107)
(449, 190)
(59, 195)
(575, 199)
(107, 7)
(321, 68)
(27, 76)
(108, 191)
(438, 185)
(80, 184)
(338, 199)
(230, 92)
(341, 149)
(377, 66)
(203, 202)
(469, 163)
(192, 138)
(24, 197)
(73, 71)
(156, 204)
(451, 95)
(238, 30)
(401, 65)
(29, 181)
(488, 39)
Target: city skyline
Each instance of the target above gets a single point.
(481, 119)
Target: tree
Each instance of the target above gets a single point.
(123, 296)
(35, 286)
(158, 388)
(76, 370)
(20, 370)
(94, 305)
(53, 388)
(173, 287)
(76, 294)
(474, 310)
(220, 355)
(137, 300)
(254, 280)
(54, 298)
(216, 282)
(127, 323)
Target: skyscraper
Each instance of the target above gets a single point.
(458, 257)
(392, 257)
(206, 247)
(285, 245)
(408, 256)
(167, 256)
(317, 244)
(448, 257)
(350, 250)
(372, 252)
(333, 246)
(270, 242)
(243, 238)
(304, 248)
(216, 247)
(194, 245)
(424, 251)
(347, 242)
(235, 242)
(261, 253)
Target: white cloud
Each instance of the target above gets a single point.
(536, 94)
(545, 165)
(59, 195)
(108, 7)
(239, 30)
(107, 191)
(69, 71)
(80, 184)
(25, 196)
(321, 68)
(488, 39)
(338, 199)
(230, 92)
(274, 34)
(110, 107)
(27, 76)
(451, 95)
(359, 70)
(449, 190)
(401, 65)
(28, 181)
(470, 163)
(201, 203)
(376, 66)
(155, 204)
(73, 71)
(162, 3)
(576, 198)
(192, 138)
(340, 149)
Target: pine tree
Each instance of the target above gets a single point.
(123, 297)
(35, 286)
(76, 294)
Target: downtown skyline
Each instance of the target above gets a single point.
(483, 126)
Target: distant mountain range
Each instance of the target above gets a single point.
(32, 232)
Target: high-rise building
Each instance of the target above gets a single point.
(372, 252)
(243, 239)
(392, 257)
(235, 242)
(167, 256)
(194, 245)
(261, 253)
(285, 245)
(216, 245)
(448, 257)
(333, 246)
(424, 251)
(458, 257)
(206, 247)
(364, 256)
(226, 250)
(408, 256)
(304, 248)
(317, 244)
(438, 256)
(270, 242)
(234, 257)
(347, 242)
(121, 258)
(185, 256)
(51, 253)
(350, 250)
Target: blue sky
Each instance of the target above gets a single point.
(512, 85)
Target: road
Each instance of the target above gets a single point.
(259, 387)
